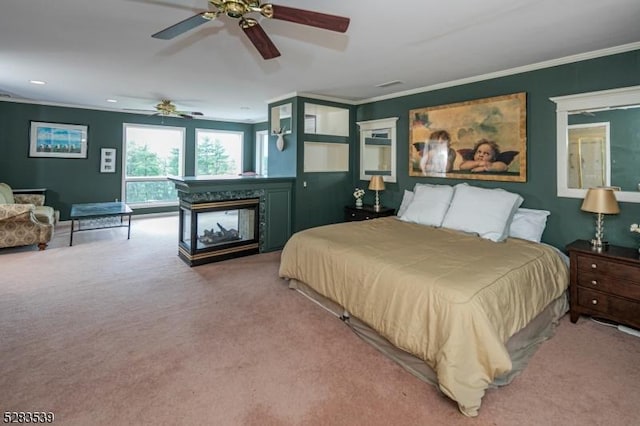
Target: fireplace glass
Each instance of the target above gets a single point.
(212, 231)
(227, 226)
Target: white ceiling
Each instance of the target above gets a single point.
(89, 51)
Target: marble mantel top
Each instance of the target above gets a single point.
(212, 183)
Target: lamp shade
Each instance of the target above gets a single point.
(376, 183)
(600, 200)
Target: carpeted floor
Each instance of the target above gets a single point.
(113, 331)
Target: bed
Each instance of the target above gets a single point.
(447, 297)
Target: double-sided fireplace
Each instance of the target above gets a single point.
(217, 230)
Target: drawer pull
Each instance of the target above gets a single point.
(353, 215)
(367, 218)
(594, 282)
(594, 266)
(594, 302)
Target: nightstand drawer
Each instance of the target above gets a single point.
(623, 310)
(609, 284)
(608, 267)
(593, 300)
(358, 215)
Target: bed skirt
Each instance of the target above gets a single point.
(521, 346)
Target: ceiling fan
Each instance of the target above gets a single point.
(166, 108)
(239, 8)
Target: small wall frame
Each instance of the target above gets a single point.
(107, 160)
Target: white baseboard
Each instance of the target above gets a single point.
(629, 330)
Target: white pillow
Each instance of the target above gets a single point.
(528, 224)
(406, 200)
(486, 212)
(429, 205)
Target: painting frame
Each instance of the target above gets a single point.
(454, 132)
(58, 140)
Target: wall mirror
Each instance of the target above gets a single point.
(598, 142)
(378, 148)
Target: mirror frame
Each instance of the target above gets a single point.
(603, 99)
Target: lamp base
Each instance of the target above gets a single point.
(377, 207)
(599, 245)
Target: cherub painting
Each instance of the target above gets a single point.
(480, 139)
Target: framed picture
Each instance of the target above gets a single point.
(57, 140)
(481, 139)
(107, 160)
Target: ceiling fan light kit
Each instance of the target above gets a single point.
(237, 9)
(167, 108)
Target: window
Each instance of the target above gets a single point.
(151, 153)
(262, 152)
(218, 152)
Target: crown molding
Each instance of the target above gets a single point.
(511, 71)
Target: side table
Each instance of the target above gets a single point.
(605, 284)
(352, 213)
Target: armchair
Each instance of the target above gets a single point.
(24, 219)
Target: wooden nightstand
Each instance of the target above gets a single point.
(367, 212)
(605, 284)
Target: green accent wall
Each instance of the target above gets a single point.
(567, 222)
(321, 201)
(323, 198)
(70, 181)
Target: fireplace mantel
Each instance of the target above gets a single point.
(273, 193)
(194, 184)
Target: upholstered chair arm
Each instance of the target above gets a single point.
(35, 199)
(17, 212)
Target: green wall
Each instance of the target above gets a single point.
(320, 197)
(323, 199)
(72, 181)
(567, 222)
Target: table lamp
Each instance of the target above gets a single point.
(600, 201)
(376, 184)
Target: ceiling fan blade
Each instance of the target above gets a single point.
(308, 17)
(189, 114)
(259, 38)
(184, 26)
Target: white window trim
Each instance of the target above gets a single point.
(260, 135)
(123, 162)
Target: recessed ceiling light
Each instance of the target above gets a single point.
(40, 82)
(245, 108)
(113, 101)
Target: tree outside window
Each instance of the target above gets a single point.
(218, 152)
(151, 153)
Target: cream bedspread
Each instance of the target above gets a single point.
(449, 298)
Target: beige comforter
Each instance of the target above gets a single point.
(449, 298)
